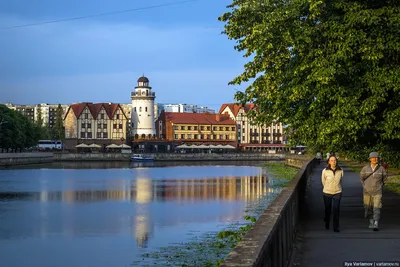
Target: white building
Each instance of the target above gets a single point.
(183, 108)
(142, 120)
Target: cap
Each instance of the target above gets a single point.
(374, 155)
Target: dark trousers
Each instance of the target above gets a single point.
(328, 201)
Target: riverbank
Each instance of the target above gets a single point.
(17, 159)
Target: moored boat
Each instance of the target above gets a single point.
(139, 157)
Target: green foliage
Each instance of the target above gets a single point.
(393, 184)
(39, 119)
(58, 132)
(329, 69)
(16, 131)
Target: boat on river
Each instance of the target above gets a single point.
(140, 157)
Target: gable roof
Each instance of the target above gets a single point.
(235, 108)
(95, 109)
(198, 118)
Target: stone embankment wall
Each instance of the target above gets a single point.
(14, 159)
(270, 241)
(167, 156)
(296, 161)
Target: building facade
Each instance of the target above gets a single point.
(26, 110)
(142, 114)
(182, 108)
(101, 123)
(48, 112)
(196, 128)
(250, 135)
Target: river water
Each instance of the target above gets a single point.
(101, 215)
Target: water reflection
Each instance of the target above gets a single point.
(138, 207)
(144, 190)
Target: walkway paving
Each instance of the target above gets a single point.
(355, 242)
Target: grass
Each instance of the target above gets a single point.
(393, 183)
(279, 174)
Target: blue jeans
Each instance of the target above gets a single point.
(328, 201)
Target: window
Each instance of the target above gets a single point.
(120, 126)
(102, 116)
(232, 128)
(202, 128)
(99, 125)
(140, 109)
(214, 136)
(98, 135)
(83, 125)
(115, 126)
(196, 136)
(226, 128)
(221, 128)
(145, 109)
(83, 135)
(182, 136)
(202, 136)
(176, 127)
(195, 128)
(134, 109)
(89, 135)
(175, 136)
(89, 125)
(208, 136)
(105, 125)
(220, 137)
(214, 128)
(105, 135)
(189, 136)
(208, 128)
(189, 128)
(86, 116)
(227, 137)
(117, 116)
(182, 127)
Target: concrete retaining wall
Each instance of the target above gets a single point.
(14, 159)
(270, 241)
(91, 157)
(296, 161)
(167, 156)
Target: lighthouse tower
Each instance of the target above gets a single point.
(143, 110)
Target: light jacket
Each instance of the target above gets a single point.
(332, 180)
(373, 183)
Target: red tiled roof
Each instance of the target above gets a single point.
(236, 107)
(110, 109)
(94, 109)
(198, 118)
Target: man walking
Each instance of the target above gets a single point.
(372, 178)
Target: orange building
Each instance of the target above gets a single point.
(196, 128)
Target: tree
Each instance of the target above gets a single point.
(39, 118)
(59, 125)
(18, 133)
(328, 69)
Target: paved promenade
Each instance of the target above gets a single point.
(317, 246)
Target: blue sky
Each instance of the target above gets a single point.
(179, 48)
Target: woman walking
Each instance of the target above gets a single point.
(332, 182)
